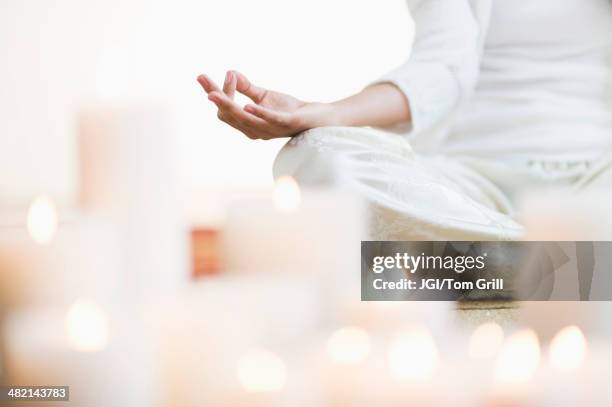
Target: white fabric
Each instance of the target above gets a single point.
(416, 197)
(510, 78)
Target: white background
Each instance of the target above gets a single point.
(59, 55)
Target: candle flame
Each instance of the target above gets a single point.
(519, 358)
(568, 349)
(287, 196)
(262, 371)
(413, 356)
(349, 345)
(486, 341)
(42, 220)
(87, 326)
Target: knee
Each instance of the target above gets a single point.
(310, 157)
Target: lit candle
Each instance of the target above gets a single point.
(349, 346)
(348, 366)
(261, 371)
(413, 356)
(288, 229)
(84, 346)
(568, 349)
(548, 317)
(212, 327)
(262, 376)
(567, 355)
(315, 233)
(48, 260)
(413, 362)
(486, 341)
(516, 367)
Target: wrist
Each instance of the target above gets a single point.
(334, 115)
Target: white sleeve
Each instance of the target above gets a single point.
(443, 68)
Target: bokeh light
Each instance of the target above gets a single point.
(287, 195)
(261, 371)
(413, 355)
(349, 345)
(87, 326)
(519, 358)
(42, 219)
(486, 341)
(568, 349)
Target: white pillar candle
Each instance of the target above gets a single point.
(563, 367)
(547, 318)
(128, 169)
(99, 353)
(363, 368)
(291, 230)
(82, 258)
(516, 367)
(350, 367)
(210, 326)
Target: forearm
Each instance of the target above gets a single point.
(378, 105)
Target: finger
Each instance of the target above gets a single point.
(229, 86)
(229, 107)
(246, 130)
(252, 126)
(208, 84)
(244, 86)
(270, 116)
(251, 132)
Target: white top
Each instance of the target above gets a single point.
(529, 78)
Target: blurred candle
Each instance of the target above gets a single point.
(129, 171)
(205, 252)
(547, 318)
(486, 341)
(413, 361)
(519, 358)
(568, 349)
(319, 238)
(284, 229)
(204, 213)
(261, 371)
(516, 367)
(413, 356)
(566, 369)
(82, 259)
(214, 332)
(76, 347)
(347, 367)
(262, 375)
(349, 345)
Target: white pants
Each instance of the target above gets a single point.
(418, 197)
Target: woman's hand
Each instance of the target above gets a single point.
(272, 114)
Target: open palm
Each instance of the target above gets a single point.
(272, 114)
